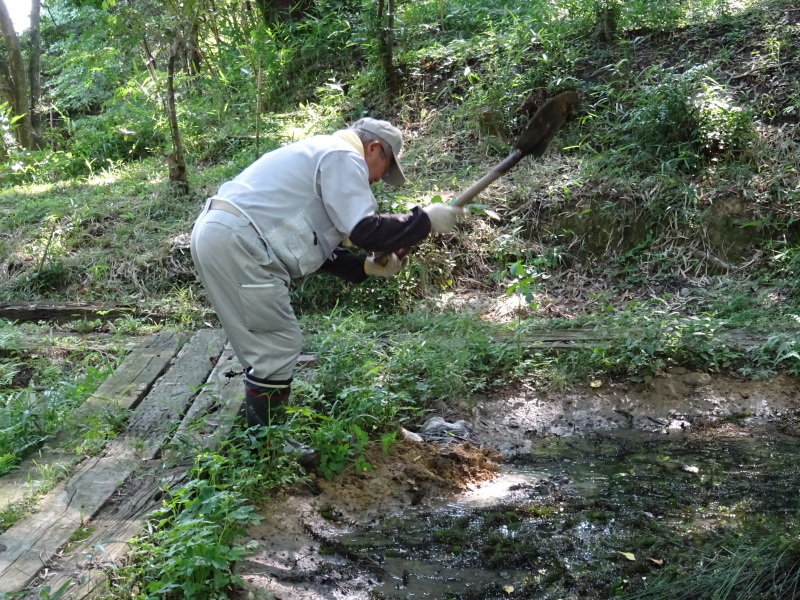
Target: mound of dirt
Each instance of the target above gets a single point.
(408, 473)
(299, 557)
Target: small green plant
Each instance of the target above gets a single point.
(523, 279)
(93, 434)
(191, 547)
(360, 443)
(86, 326)
(387, 439)
(724, 127)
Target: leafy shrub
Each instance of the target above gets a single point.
(723, 127)
(192, 548)
(122, 133)
(660, 129)
(193, 541)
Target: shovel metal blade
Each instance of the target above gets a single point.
(538, 133)
(543, 126)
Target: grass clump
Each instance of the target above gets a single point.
(763, 567)
(29, 415)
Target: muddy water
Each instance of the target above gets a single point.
(587, 516)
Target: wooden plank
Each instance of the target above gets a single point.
(160, 414)
(31, 543)
(70, 340)
(85, 565)
(567, 339)
(62, 312)
(121, 390)
(209, 420)
(206, 424)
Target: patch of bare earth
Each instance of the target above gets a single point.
(299, 557)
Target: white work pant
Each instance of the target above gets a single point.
(249, 290)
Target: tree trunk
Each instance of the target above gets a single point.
(388, 58)
(195, 59)
(34, 72)
(175, 159)
(608, 12)
(386, 42)
(18, 82)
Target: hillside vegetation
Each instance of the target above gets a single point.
(663, 215)
(665, 211)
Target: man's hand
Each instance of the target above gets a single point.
(392, 267)
(443, 216)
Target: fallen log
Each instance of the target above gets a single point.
(63, 312)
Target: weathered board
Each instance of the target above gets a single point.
(85, 566)
(122, 390)
(52, 343)
(210, 418)
(61, 312)
(572, 339)
(31, 543)
(206, 424)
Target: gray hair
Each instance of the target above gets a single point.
(368, 137)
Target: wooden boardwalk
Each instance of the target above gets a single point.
(176, 395)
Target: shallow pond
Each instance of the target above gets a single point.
(598, 515)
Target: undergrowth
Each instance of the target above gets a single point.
(745, 568)
(191, 543)
(30, 414)
(663, 218)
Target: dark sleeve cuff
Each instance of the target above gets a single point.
(387, 233)
(345, 265)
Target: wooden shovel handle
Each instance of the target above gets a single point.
(533, 141)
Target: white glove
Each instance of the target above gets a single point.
(392, 267)
(443, 216)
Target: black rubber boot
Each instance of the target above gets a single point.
(265, 404)
(265, 400)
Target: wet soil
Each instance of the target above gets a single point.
(555, 494)
(300, 556)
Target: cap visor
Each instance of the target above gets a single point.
(394, 176)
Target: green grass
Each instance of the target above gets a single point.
(30, 415)
(761, 567)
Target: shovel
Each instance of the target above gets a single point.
(538, 133)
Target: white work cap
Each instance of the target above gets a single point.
(393, 138)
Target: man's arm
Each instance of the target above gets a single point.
(345, 265)
(386, 233)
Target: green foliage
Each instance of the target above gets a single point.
(29, 415)
(723, 126)
(749, 567)
(523, 279)
(676, 121)
(644, 338)
(45, 593)
(92, 434)
(780, 353)
(83, 69)
(191, 546)
(383, 364)
(376, 372)
(193, 542)
(125, 133)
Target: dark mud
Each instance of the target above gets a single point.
(586, 517)
(601, 492)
